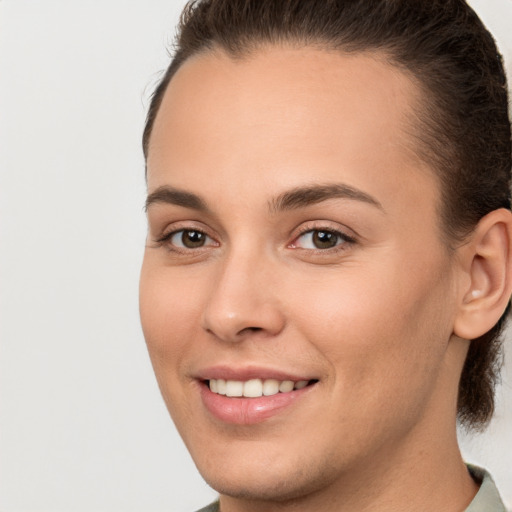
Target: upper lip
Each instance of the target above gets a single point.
(247, 373)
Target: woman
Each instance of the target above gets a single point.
(327, 270)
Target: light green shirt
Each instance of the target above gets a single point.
(487, 498)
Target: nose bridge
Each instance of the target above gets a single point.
(242, 299)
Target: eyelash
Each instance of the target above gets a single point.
(167, 237)
(343, 241)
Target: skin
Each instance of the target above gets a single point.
(373, 319)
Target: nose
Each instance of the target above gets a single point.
(243, 302)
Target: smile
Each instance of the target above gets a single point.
(251, 400)
(254, 388)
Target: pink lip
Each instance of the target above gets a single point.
(251, 372)
(247, 411)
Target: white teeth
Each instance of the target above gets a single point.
(286, 386)
(221, 386)
(234, 388)
(254, 388)
(270, 387)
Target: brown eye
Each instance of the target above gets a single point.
(324, 239)
(189, 239)
(193, 239)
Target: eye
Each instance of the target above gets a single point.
(189, 239)
(321, 239)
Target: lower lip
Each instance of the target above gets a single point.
(247, 411)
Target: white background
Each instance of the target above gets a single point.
(82, 424)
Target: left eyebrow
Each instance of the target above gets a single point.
(171, 195)
(301, 197)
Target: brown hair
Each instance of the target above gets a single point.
(462, 131)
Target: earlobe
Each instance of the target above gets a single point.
(487, 259)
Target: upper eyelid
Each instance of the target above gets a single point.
(325, 225)
(166, 236)
(305, 227)
(346, 238)
(164, 241)
(182, 225)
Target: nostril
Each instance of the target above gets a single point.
(250, 329)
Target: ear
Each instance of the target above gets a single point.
(487, 261)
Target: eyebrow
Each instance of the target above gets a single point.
(302, 197)
(295, 198)
(171, 195)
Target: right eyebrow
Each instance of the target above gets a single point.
(302, 197)
(175, 196)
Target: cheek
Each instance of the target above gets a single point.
(169, 314)
(387, 325)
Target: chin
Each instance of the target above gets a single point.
(268, 481)
(280, 489)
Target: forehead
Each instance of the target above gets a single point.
(319, 115)
(290, 91)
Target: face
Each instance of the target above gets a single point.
(294, 254)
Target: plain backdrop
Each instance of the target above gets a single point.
(82, 424)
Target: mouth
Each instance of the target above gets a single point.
(255, 388)
(252, 400)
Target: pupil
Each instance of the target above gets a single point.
(324, 239)
(193, 239)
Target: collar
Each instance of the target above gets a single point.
(487, 498)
